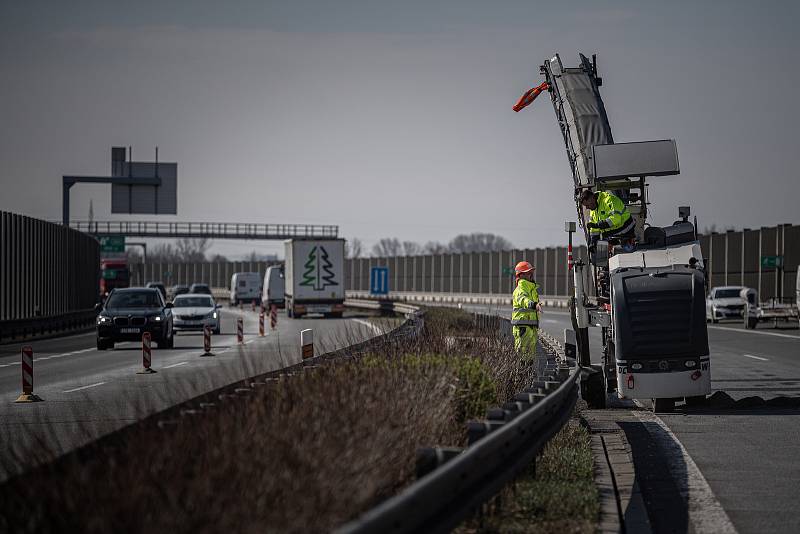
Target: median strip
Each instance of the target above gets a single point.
(175, 365)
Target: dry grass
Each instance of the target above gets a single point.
(302, 453)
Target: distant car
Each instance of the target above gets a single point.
(274, 287)
(202, 289)
(245, 287)
(725, 303)
(194, 311)
(178, 289)
(160, 287)
(129, 312)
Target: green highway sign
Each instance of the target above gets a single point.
(771, 261)
(113, 243)
(508, 271)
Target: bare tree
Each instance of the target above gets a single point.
(434, 247)
(163, 253)
(479, 242)
(218, 258)
(410, 248)
(192, 249)
(388, 246)
(353, 248)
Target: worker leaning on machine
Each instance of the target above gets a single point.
(608, 216)
(525, 315)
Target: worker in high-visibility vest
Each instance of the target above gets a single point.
(525, 313)
(608, 215)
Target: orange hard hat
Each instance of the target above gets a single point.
(523, 267)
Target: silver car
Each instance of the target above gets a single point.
(195, 311)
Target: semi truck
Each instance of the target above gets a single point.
(314, 275)
(645, 292)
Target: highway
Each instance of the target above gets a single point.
(88, 393)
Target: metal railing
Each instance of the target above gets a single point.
(501, 448)
(215, 230)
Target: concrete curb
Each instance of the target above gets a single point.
(622, 507)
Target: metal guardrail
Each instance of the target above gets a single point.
(40, 327)
(506, 443)
(206, 229)
(456, 298)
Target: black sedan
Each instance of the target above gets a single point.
(131, 311)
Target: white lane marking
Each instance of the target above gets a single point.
(375, 328)
(705, 511)
(754, 332)
(175, 365)
(84, 387)
(62, 355)
(12, 363)
(756, 357)
(249, 341)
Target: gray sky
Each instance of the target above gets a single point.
(393, 119)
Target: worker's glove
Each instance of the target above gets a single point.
(539, 307)
(591, 225)
(602, 225)
(532, 305)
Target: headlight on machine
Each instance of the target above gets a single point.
(102, 319)
(212, 315)
(154, 318)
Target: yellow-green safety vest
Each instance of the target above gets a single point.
(526, 296)
(610, 209)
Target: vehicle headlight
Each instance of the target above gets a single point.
(103, 319)
(212, 315)
(155, 318)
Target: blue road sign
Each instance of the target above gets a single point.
(379, 281)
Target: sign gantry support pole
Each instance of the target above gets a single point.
(69, 181)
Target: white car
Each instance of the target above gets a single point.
(193, 311)
(725, 302)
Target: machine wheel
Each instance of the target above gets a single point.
(663, 405)
(752, 322)
(101, 345)
(593, 391)
(217, 331)
(699, 400)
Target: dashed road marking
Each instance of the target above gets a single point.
(375, 328)
(84, 387)
(756, 357)
(175, 365)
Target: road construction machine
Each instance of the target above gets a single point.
(646, 290)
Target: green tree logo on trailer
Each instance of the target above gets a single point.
(318, 270)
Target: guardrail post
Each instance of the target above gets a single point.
(430, 458)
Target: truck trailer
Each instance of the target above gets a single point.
(314, 274)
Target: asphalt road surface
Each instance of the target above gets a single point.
(88, 393)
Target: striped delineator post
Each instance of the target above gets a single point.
(207, 341)
(307, 343)
(27, 377)
(240, 330)
(147, 356)
(273, 316)
(261, 324)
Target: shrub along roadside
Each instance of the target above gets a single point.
(559, 495)
(300, 454)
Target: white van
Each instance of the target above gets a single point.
(245, 287)
(274, 287)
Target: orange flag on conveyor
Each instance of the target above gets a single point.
(529, 96)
